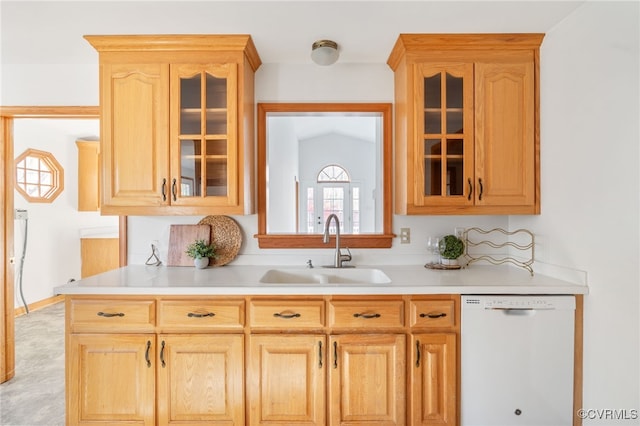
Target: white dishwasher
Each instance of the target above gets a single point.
(517, 360)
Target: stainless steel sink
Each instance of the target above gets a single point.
(325, 276)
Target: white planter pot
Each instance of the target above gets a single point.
(201, 263)
(449, 262)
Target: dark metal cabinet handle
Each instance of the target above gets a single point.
(481, 189)
(197, 315)
(335, 354)
(417, 353)
(174, 190)
(108, 315)
(470, 190)
(319, 354)
(286, 316)
(162, 355)
(433, 315)
(366, 316)
(164, 189)
(146, 353)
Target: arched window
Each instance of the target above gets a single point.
(39, 176)
(333, 173)
(333, 193)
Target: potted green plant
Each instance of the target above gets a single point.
(451, 248)
(201, 252)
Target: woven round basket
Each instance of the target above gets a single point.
(226, 236)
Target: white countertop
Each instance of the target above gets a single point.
(245, 280)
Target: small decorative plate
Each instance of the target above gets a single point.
(226, 236)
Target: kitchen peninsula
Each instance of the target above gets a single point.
(277, 344)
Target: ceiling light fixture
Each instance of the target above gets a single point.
(324, 52)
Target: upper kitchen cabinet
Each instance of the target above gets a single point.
(177, 124)
(467, 123)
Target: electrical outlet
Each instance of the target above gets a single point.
(20, 214)
(405, 235)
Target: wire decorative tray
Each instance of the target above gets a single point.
(521, 240)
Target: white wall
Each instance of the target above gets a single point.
(590, 188)
(53, 230)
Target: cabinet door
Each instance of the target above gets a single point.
(444, 142)
(204, 143)
(88, 181)
(433, 380)
(367, 379)
(134, 142)
(286, 380)
(200, 379)
(110, 379)
(505, 163)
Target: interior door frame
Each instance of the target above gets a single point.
(7, 273)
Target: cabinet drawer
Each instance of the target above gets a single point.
(93, 315)
(432, 313)
(365, 314)
(286, 314)
(201, 314)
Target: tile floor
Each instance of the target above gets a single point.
(35, 396)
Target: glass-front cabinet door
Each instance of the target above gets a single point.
(444, 143)
(203, 135)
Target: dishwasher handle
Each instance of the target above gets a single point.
(518, 311)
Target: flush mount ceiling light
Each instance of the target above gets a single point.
(324, 52)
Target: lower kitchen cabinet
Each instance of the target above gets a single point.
(433, 377)
(110, 379)
(367, 379)
(286, 380)
(200, 379)
(284, 361)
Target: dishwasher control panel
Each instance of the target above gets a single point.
(519, 302)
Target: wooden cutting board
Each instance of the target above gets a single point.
(180, 236)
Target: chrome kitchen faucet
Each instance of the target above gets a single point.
(339, 257)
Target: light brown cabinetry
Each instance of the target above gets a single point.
(317, 360)
(98, 255)
(286, 379)
(88, 176)
(148, 361)
(200, 379)
(433, 361)
(367, 379)
(177, 124)
(467, 123)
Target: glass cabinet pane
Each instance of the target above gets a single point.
(454, 91)
(216, 92)
(190, 168)
(432, 176)
(443, 152)
(433, 91)
(433, 104)
(216, 184)
(454, 99)
(203, 134)
(190, 105)
(432, 147)
(455, 147)
(455, 177)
